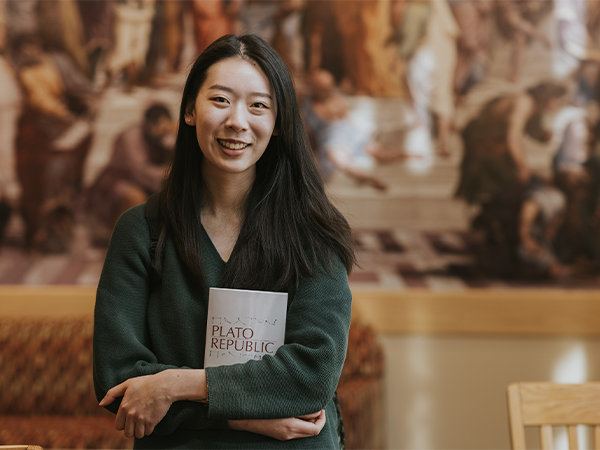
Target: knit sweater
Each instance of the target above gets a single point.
(141, 331)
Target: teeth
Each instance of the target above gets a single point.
(232, 146)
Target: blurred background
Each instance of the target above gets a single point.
(458, 137)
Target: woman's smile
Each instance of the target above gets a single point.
(233, 145)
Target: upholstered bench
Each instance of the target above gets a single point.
(47, 396)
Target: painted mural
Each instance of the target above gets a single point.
(460, 137)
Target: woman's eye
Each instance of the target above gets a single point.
(219, 99)
(259, 105)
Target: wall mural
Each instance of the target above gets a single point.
(460, 137)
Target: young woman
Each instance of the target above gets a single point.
(243, 207)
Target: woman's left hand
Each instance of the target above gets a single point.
(146, 400)
(283, 429)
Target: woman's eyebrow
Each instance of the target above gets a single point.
(220, 87)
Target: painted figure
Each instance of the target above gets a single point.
(339, 143)
(172, 32)
(370, 64)
(213, 19)
(288, 40)
(517, 22)
(574, 163)
(166, 41)
(139, 158)
(473, 18)
(10, 106)
(433, 59)
(322, 40)
(54, 136)
(132, 29)
(97, 20)
(61, 29)
(517, 207)
(259, 17)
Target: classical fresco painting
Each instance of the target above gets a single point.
(459, 137)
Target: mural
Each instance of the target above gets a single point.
(460, 137)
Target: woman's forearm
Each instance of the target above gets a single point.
(187, 384)
(147, 399)
(283, 429)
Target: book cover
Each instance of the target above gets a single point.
(243, 325)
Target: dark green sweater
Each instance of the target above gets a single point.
(138, 331)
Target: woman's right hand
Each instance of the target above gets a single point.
(283, 429)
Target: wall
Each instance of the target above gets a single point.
(449, 392)
(451, 355)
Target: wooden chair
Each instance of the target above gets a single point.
(546, 404)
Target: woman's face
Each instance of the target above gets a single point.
(234, 115)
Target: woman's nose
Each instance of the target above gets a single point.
(237, 119)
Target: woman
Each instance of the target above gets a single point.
(243, 206)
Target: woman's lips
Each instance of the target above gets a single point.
(232, 147)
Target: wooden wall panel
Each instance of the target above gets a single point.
(46, 300)
(473, 311)
(485, 311)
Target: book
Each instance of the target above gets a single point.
(243, 325)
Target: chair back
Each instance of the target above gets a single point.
(545, 405)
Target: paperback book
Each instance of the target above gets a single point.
(243, 325)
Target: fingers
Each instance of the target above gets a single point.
(139, 430)
(132, 427)
(310, 427)
(120, 420)
(113, 394)
(310, 416)
(141, 408)
(320, 423)
(283, 429)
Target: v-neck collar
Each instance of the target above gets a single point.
(212, 246)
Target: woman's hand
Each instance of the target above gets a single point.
(146, 401)
(283, 429)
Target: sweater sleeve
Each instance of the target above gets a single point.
(122, 348)
(302, 376)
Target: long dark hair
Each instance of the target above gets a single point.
(290, 229)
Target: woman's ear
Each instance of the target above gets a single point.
(190, 116)
(275, 132)
(190, 120)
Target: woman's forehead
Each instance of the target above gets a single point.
(238, 74)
